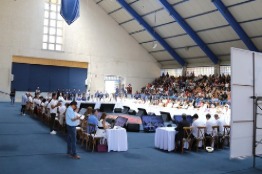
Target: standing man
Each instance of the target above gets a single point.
(227, 115)
(12, 96)
(23, 103)
(37, 91)
(72, 120)
(53, 110)
(88, 95)
(129, 90)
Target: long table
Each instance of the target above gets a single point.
(152, 108)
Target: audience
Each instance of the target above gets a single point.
(208, 95)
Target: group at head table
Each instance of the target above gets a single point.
(200, 129)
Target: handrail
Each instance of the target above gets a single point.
(4, 93)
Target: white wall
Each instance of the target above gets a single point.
(95, 38)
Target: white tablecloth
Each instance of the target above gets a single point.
(165, 138)
(116, 139)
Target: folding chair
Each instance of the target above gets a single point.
(209, 139)
(200, 137)
(216, 137)
(187, 138)
(93, 138)
(226, 135)
(83, 135)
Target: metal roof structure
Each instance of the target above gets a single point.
(189, 32)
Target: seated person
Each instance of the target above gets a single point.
(61, 113)
(209, 129)
(102, 125)
(92, 119)
(88, 112)
(196, 123)
(180, 132)
(220, 124)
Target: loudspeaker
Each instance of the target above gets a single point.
(131, 127)
(141, 111)
(132, 112)
(86, 105)
(118, 110)
(125, 110)
(166, 116)
(107, 107)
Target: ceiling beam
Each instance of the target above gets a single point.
(189, 31)
(235, 25)
(142, 22)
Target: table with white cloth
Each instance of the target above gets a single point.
(116, 139)
(165, 138)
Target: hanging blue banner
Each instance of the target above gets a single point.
(70, 10)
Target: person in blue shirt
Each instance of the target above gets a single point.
(92, 119)
(72, 120)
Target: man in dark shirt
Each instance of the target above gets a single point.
(180, 132)
(12, 96)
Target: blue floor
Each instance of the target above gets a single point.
(27, 147)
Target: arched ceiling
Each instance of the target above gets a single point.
(196, 31)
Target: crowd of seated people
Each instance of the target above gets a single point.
(205, 88)
(187, 91)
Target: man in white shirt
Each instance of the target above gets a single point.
(209, 129)
(227, 115)
(220, 124)
(61, 114)
(53, 112)
(196, 123)
(23, 103)
(29, 102)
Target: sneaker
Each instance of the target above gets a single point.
(76, 157)
(53, 132)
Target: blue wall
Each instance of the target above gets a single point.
(48, 78)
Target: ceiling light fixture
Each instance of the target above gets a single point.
(154, 43)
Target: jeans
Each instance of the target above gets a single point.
(71, 140)
(52, 121)
(12, 100)
(23, 109)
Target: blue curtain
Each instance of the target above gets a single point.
(48, 78)
(70, 10)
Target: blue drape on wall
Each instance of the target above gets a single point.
(70, 10)
(48, 78)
